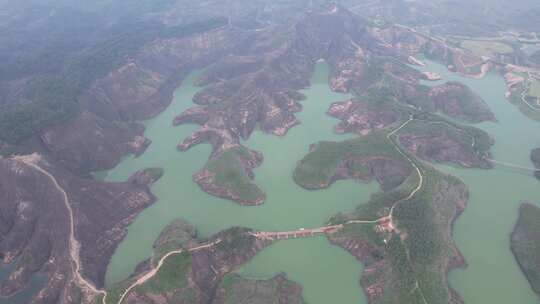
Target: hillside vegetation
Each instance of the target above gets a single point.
(525, 243)
(53, 51)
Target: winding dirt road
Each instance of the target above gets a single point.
(150, 274)
(418, 171)
(74, 245)
(331, 229)
(411, 195)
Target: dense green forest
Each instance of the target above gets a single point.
(64, 54)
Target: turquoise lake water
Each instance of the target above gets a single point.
(328, 273)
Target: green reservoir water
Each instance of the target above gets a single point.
(328, 273)
(483, 231)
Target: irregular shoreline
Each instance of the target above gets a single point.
(380, 244)
(525, 244)
(73, 260)
(203, 267)
(376, 266)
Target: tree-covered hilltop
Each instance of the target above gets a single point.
(525, 243)
(407, 258)
(237, 289)
(187, 269)
(403, 234)
(228, 174)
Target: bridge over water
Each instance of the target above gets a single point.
(295, 234)
(306, 233)
(512, 165)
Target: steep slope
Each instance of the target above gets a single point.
(62, 226)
